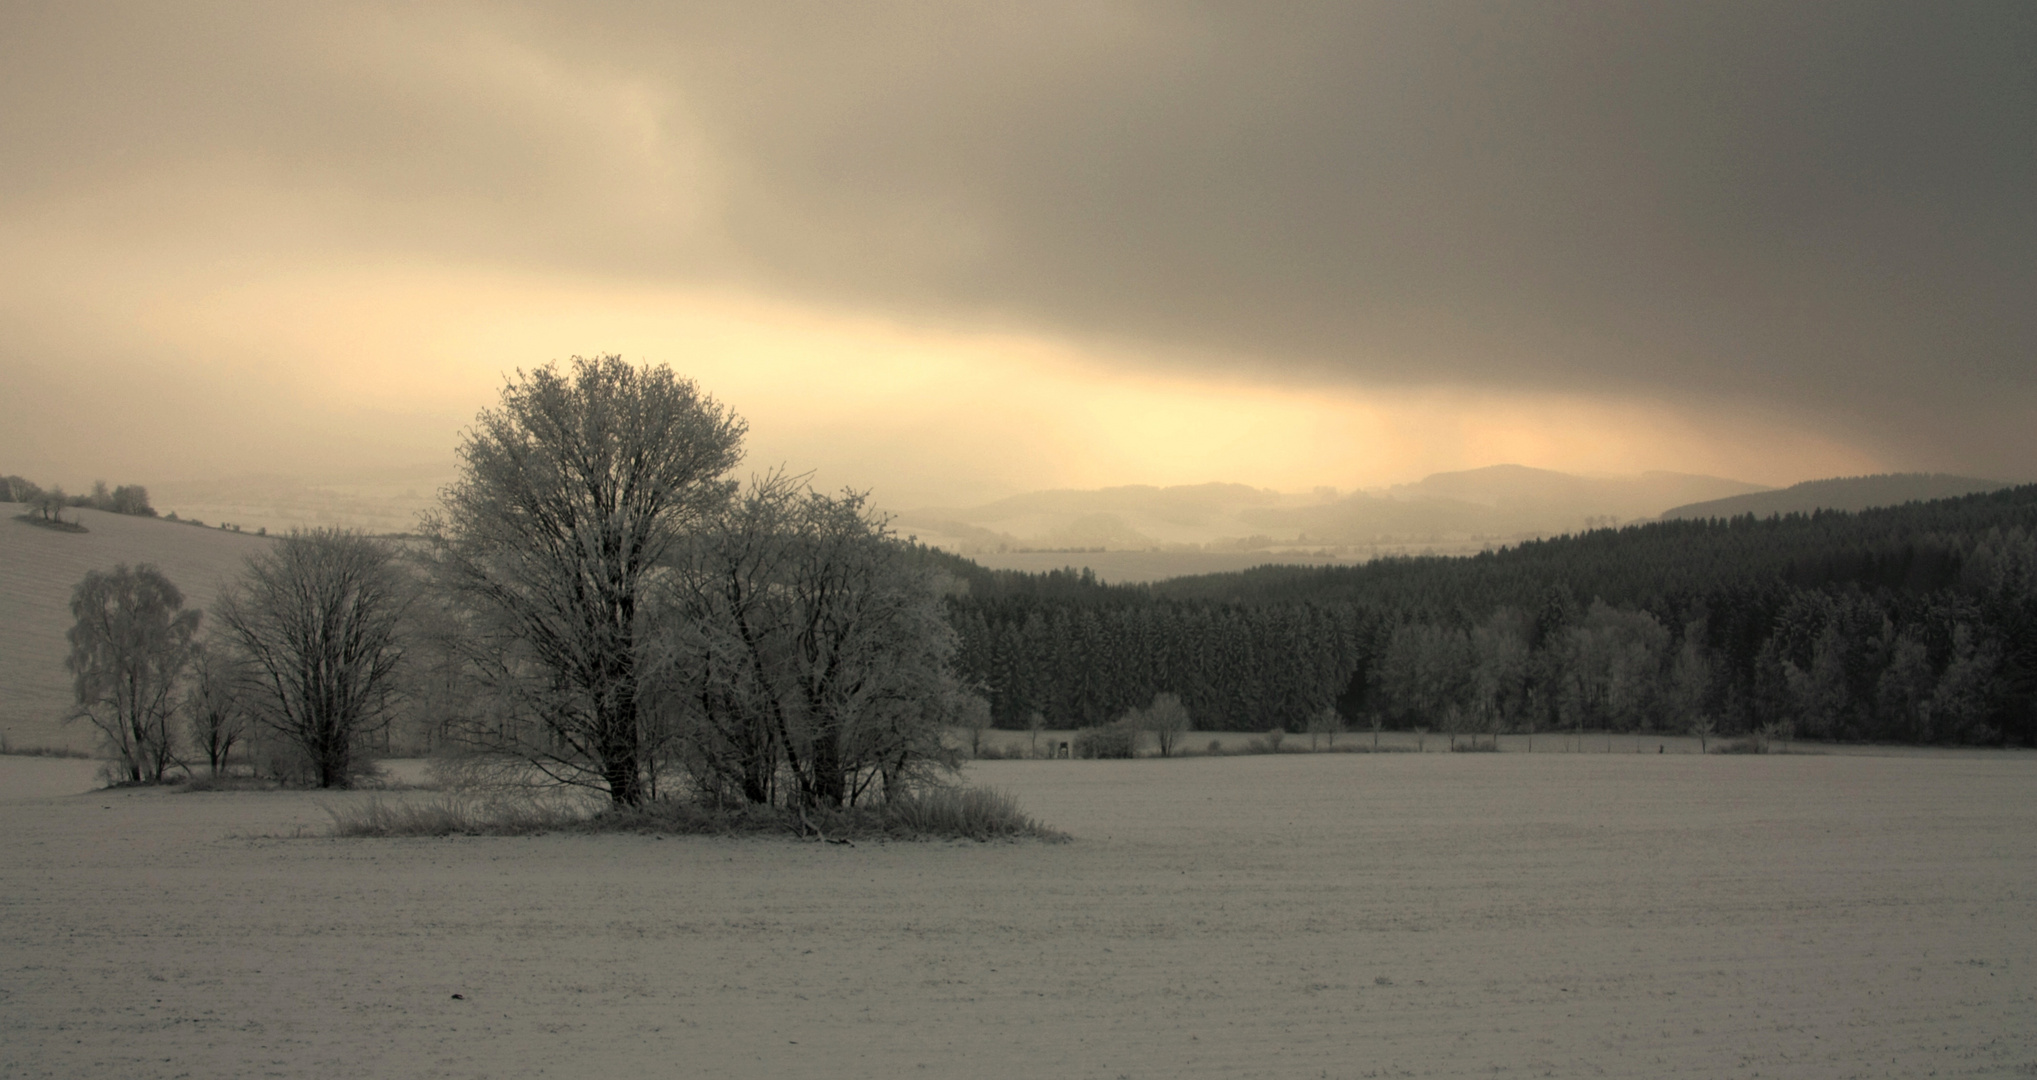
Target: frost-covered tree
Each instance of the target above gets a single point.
(130, 643)
(573, 494)
(806, 656)
(1167, 718)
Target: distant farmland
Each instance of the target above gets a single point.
(38, 568)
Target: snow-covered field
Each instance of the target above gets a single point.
(1303, 915)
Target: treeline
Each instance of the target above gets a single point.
(1915, 623)
(1235, 666)
(49, 503)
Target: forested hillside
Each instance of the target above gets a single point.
(1840, 493)
(1912, 623)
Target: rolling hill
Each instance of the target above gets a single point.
(1498, 501)
(1203, 527)
(1851, 493)
(38, 569)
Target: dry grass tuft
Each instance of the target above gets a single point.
(456, 815)
(227, 782)
(935, 814)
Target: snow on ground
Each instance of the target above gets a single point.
(24, 778)
(1339, 915)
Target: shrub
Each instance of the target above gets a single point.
(1113, 740)
(1269, 743)
(975, 813)
(1216, 746)
(1473, 746)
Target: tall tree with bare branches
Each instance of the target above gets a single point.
(572, 493)
(317, 620)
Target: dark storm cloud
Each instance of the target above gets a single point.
(1819, 208)
(1824, 206)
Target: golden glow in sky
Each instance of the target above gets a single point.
(923, 414)
(953, 256)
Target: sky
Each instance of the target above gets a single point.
(956, 251)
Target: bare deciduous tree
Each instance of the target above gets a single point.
(1323, 726)
(50, 503)
(1704, 727)
(972, 715)
(216, 704)
(1167, 718)
(805, 644)
(1690, 685)
(317, 619)
(572, 495)
(130, 645)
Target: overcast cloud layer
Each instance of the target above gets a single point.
(1818, 214)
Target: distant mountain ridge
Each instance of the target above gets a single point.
(1454, 511)
(1851, 493)
(1498, 501)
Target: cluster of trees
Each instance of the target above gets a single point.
(302, 661)
(1914, 623)
(596, 604)
(1166, 719)
(49, 503)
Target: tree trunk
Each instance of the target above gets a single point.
(824, 759)
(619, 769)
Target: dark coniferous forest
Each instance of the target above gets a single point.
(1915, 623)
